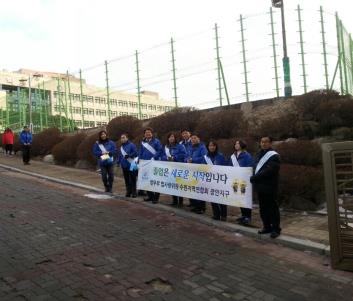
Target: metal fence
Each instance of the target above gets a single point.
(338, 167)
(226, 64)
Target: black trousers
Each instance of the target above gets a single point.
(197, 204)
(219, 210)
(153, 196)
(107, 172)
(269, 211)
(130, 178)
(178, 200)
(26, 153)
(246, 212)
(8, 148)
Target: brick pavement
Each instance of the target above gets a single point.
(56, 244)
(304, 226)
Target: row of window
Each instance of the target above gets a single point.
(86, 123)
(97, 112)
(113, 102)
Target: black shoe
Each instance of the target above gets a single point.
(106, 189)
(216, 218)
(198, 211)
(246, 221)
(239, 220)
(275, 234)
(134, 195)
(223, 218)
(155, 202)
(264, 231)
(147, 200)
(127, 195)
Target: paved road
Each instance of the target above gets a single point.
(57, 244)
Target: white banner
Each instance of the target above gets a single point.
(212, 183)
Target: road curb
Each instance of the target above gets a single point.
(283, 240)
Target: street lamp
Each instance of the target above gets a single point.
(285, 60)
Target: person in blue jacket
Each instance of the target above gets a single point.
(26, 142)
(150, 148)
(214, 157)
(127, 161)
(175, 152)
(196, 156)
(105, 151)
(186, 140)
(241, 158)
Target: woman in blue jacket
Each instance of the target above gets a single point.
(26, 142)
(127, 161)
(214, 157)
(105, 151)
(241, 158)
(175, 152)
(196, 156)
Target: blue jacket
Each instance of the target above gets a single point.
(218, 159)
(145, 154)
(131, 151)
(177, 151)
(187, 144)
(197, 153)
(110, 146)
(244, 160)
(25, 137)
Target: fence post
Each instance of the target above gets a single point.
(68, 121)
(344, 58)
(70, 100)
(338, 32)
(174, 72)
(81, 100)
(324, 52)
(224, 82)
(275, 65)
(138, 84)
(108, 92)
(59, 97)
(351, 58)
(23, 107)
(218, 65)
(244, 58)
(302, 53)
(40, 107)
(45, 106)
(7, 110)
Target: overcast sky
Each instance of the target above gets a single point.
(53, 35)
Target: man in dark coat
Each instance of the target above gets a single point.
(265, 181)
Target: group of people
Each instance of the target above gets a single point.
(25, 138)
(191, 150)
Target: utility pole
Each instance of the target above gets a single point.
(285, 60)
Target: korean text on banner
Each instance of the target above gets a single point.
(212, 183)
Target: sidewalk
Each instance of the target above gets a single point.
(303, 226)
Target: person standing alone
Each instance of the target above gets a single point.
(26, 142)
(7, 141)
(265, 180)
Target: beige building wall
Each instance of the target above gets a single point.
(65, 96)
